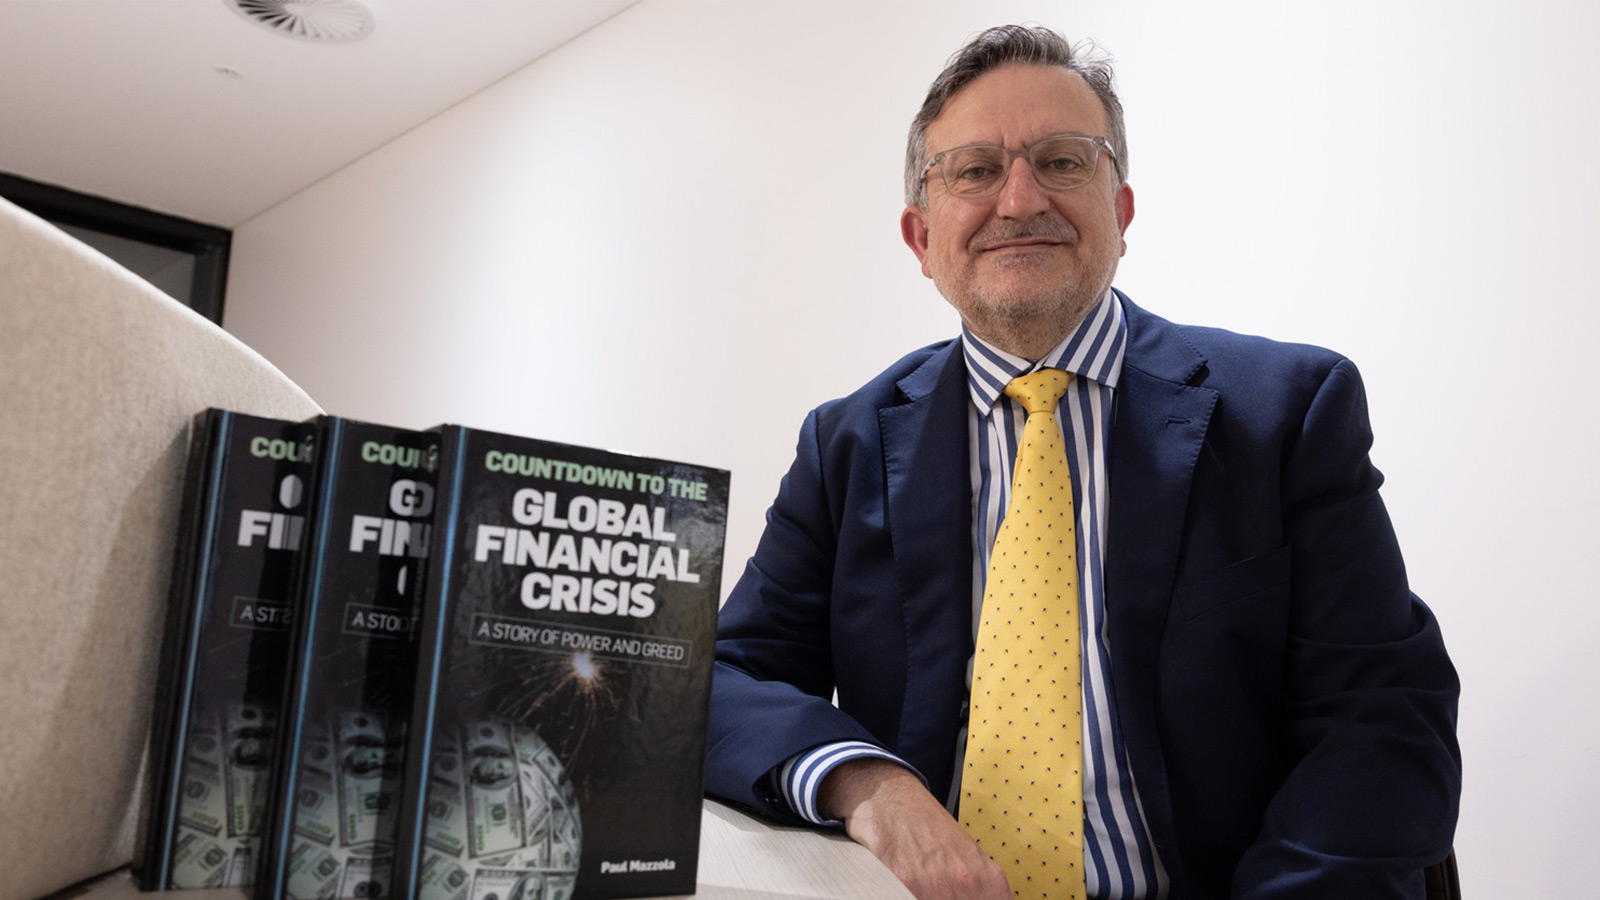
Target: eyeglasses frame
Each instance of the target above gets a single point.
(1101, 143)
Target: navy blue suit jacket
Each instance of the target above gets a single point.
(1287, 703)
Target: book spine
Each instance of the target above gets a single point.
(435, 630)
(198, 526)
(277, 838)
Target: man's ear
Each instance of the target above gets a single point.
(1123, 202)
(914, 231)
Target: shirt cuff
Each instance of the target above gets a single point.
(799, 780)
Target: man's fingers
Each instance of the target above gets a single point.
(972, 877)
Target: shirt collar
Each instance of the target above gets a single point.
(1093, 350)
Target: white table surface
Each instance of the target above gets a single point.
(741, 858)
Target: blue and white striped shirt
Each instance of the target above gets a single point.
(1121, 863)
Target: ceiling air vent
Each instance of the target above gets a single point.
(324, 21)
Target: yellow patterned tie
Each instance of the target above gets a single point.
(1022, 789)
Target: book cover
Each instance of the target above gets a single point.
(558, 742)
(225, 651)
(337, 777)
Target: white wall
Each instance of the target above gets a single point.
(678, 233)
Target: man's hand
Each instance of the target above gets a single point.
(887, 810)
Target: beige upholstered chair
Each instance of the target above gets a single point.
(100, 375)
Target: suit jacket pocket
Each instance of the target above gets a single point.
(1268, 572)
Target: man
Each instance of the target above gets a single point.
(1266, 711)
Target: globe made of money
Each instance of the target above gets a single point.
(502, 818)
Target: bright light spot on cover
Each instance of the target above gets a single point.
(583, 664)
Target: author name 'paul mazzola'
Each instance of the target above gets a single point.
(637, 865)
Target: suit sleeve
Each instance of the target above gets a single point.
(1369, 702)
(773, 681)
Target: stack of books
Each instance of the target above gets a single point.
(445, 665)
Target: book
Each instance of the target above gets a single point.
(558, 740)
(337, 774)
(225, 651)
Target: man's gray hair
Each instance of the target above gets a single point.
(1032, 45)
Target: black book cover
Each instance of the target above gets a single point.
(225, 651)
(558, 741)
(336, 782)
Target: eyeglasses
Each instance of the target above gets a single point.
(1060, 162)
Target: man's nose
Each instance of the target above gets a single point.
(1021, 196)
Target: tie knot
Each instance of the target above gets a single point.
(1040, 391)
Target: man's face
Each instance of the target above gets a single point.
(1024, 266)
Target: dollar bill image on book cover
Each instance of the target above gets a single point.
(558, 738)
(332, 819)
(225, 651)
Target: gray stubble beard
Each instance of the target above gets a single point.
(1035, 327)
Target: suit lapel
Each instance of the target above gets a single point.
(929, 521)
(1160, 426)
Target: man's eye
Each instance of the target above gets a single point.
(1063, 163)
(976, 172)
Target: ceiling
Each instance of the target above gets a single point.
(188, 108)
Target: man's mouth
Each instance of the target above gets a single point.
(1023, 244)
(1019, 238)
